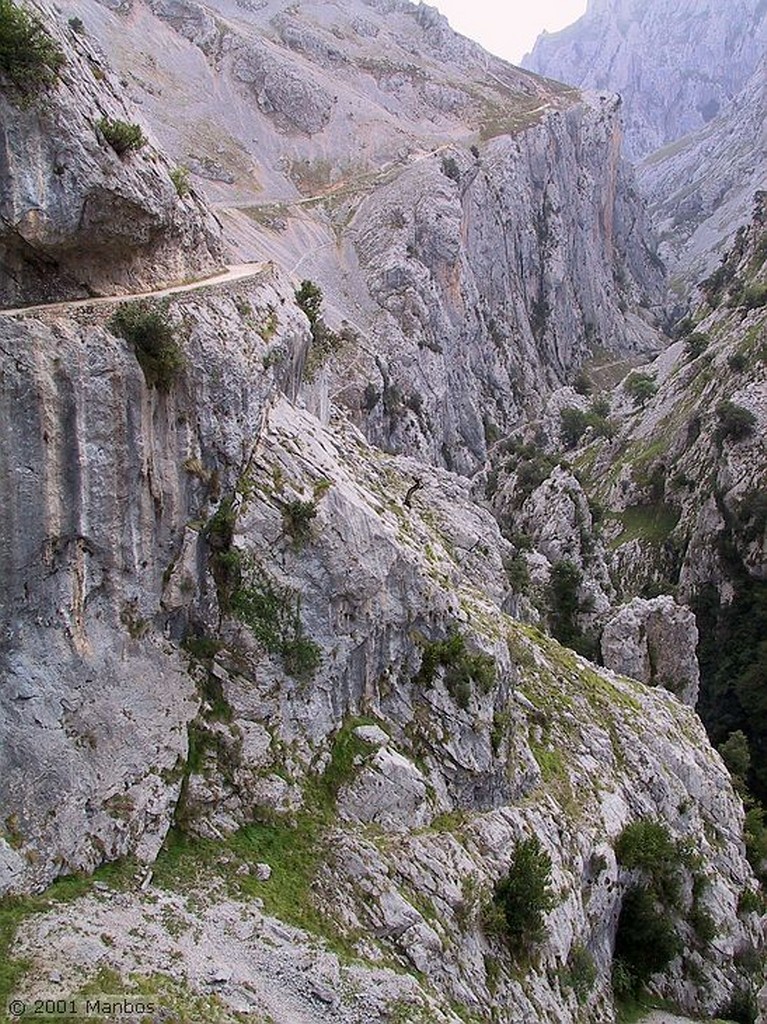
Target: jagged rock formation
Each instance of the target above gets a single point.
(675, 65)
(76, 219)
(654, 641)
(227, 612)
(240, 502)
(701, 188)
(339, 142)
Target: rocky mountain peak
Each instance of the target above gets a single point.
(675, 65)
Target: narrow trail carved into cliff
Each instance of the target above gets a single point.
(236, 272)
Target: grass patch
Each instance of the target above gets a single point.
(294, 848)
(549, 761)
(653, 524)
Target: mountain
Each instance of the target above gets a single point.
(675, 65)
(340, 143)
(701, 188)
(287, 731)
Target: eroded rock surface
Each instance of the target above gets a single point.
(77, 219)
(654, 641)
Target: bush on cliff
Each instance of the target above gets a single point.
(522, 898)
(147, 327)
(121, 136)
(29, 58)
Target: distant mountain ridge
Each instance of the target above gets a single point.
(701, 188)
(675, 65)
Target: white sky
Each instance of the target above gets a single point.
(509, 28)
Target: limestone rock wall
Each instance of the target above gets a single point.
(77, 219)
(490, 293)
(105, 482)
(676, 65)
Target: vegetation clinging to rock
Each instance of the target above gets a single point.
(30, 60)
(147, 326)
(461, 668)
(522, 898)
(122, 136)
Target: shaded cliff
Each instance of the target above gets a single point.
(701, 188)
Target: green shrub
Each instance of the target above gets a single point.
(646, 845)
(741, 1008)
(573, 424)
(309, 300)
(702, 924)
(147, 327)
(297, 519)
(461, 669)
(580, 973)
(755, 836)
(751, 901)
(76, 24)
(120, 135)
(737, 362)
(180, 178)
(325, 341)
(564, 608)
(30, 60)
(523, 897)
(273, 615)
(582, 383)
(696, 344)
(517, 573)
(450, 168)
(753, 296)
(640, 386)
(735, 422)
(736, 755)
(646, 940)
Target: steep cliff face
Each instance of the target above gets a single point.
(101, 479)
(351, 680)
(676, 65)
(339, 142)
(480, 311)
(668, 498)
(700, 189)
(77, 218)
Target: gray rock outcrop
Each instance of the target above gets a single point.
(675, 65)
(701, 190)
(655, 642)
(76, 219)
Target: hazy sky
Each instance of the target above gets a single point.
(509, 28)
